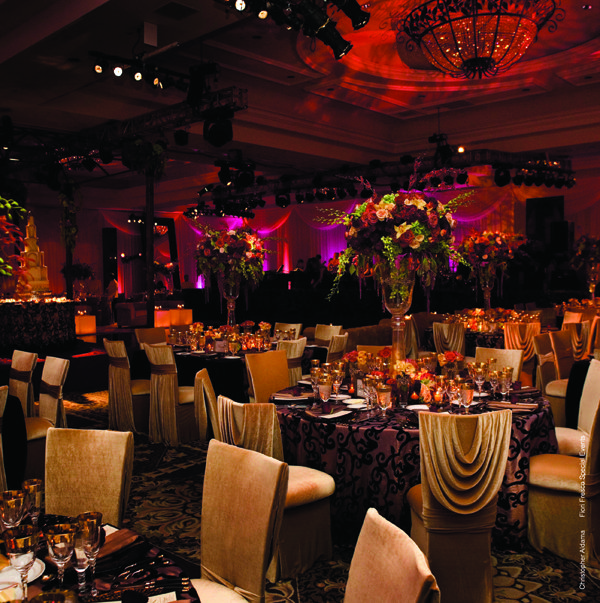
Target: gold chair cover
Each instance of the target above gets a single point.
(463, 461)
(580, 338)
(519, 336)
(563, 352)
(324, 333)
(168, 401)
(388, 567)
(546, 375)
(570, 316)
(242, 507)
(88, 470)
(205, 393)
(337, 347)
(267, 373)
(288, 326)
(449, 337)
(294, 350)
(21, 372)
(151, 336)
(503, 359)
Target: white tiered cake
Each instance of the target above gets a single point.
(33, 258)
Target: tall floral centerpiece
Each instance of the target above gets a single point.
(395, 238)
(233, 257)
(586, 255)
(488, 254)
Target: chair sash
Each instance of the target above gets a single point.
(117, 362)
(294, 362)
(23, 376)
(544, 358)
(213, 577)
(163, 369)
(519, 336)
(51, 390)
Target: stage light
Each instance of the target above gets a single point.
(351, 190)
(317, 23)
(118, 70)
(282, 200)
(100, 66)
(449, 179)
(225, 176)
(218, 129)
(240, 5)
(539, 178)
(460, 149)
(435, 181)
(529, 178)
(502, 177)
(340, 192)
(245, 177)
(353, 11)
(518, 178)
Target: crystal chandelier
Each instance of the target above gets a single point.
(476, 38)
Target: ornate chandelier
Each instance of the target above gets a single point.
(476, 38)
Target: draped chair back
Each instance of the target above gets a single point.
(449, 337)
(590, 398)
(294, 350)
(120, 401)
(580, 336)
(288, 326)
(563, 352)
(51, 405)
(519, 336)
(463, 462)
(503, 359)
(242, 507)
(594, 339)
(337, 347)
(546, 369)
(88, 470)
(570, 316)
(267, 373)
(151, 336)
(205, 393)
(387, 566)
(251, 426)
(324, 333)
(422, 322)
(19, 383)
(165, 398)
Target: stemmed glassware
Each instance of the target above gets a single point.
(80, 560)
(91, 525)
(480, 375)
(13, 506)
(20, 547)
(505, 383)
(315, 374)
(466, 391)
(494, 378)
(338, 378)
(325, 384)
(61, 542)
(33, 494)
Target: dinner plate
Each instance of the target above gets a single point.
(354, 401)
(474, 403)
(10, 574)
(417, 407)
(357, 406)
(232, 357)
(304, 382)
(339, 397)
(481, 395)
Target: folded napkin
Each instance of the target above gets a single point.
(526, 392)
(116, 541)
(518, 407)
(121, 548)
(337, 410)
(300, 396)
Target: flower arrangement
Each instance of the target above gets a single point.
(402, 231)
(586, 252)
(230, 255)
(10, 237)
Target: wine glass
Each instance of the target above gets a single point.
(80, 559)
(61, 542)
(315, 375)
(91, 524)
(13, 505)
(338, 378)
(33, 494)
(20, 546)
(505, 383)
(325, 383)
(479, 374)
(494, 378)
(466, 391)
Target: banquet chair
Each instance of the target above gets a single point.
(128, 399)
(305, 530)
(564, 502)
(570, 317)
(422, 322)
(449, 337)
(503, 359)
(324, 333)
(552, 388)
(519, 336)
(177, 412)
(151, 336)
(580, 336)
(205, 393)
(267, 373)
(563, 352)
(242, 507)
(13, 441)
(88, 470)
(574, 442)
(294, 350)
(337, 347)
(288, 326)
(19, 383)
(453, 510)
(388, 567)
(50, 412)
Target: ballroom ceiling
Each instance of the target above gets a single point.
(306, 112)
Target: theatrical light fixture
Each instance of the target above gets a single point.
(354, 12)
(282, 200)
(240, 5)
(502, 177)
(462, 178)
(100, 66)
(118, 70)
(218, 129)
(460, 149)
(225, 176)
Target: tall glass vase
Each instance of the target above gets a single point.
(487, 279)
(593, 276)
(231, 291)
(397, 290)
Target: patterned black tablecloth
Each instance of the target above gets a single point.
(375, 461)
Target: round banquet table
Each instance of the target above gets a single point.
(375, 461)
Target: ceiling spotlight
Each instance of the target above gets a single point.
(138, 73)
(100, 66)
(502, 177)
(460, 149)
(218, 129)
(354, 12)
(245, 177)
(240, 5)
(518, 178)
(118, 70)
(529, 178)
(225, 176)
(157, 82)
(539, 178)
(317, 23)
(282, 200)
(262, 11)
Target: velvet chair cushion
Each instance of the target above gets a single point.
(37, 427)
(307, 485)
(555, 471)
(267, 373)
(557, 388)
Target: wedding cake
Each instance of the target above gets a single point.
(33, 260)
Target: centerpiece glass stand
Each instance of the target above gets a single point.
(487, 278)
(397, 289)
(231, 291)
(593, 276)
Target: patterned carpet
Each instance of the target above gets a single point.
(165, 506)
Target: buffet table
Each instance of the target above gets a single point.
(375, 461)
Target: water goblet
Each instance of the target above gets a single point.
(91, 524)
(61, 542)
(479, 379)
(80, 559)
(505, 383)
(325, 384)
(13, 506)
(33, 494)
(315, 374)
(466, 392)
(20, 547)
(338, 378)
(494, 377)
